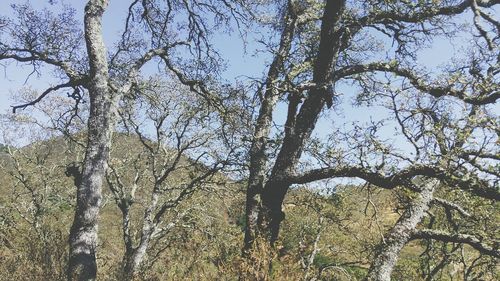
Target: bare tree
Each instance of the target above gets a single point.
(341, 26)
(179, 157)
(446, 130)
(43, 39)
(438, 140)
(35, 193)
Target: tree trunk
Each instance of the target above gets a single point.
(386, 257)
(132, 262)
(83, 234)
(134, 256)
(300, 126)
(258, 158)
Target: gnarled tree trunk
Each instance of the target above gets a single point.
(258, 158)
(134, 255)
(83, 234)
(299, 126)
(132, 261)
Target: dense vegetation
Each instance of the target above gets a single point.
(334, 241)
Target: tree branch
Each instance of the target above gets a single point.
(36, 56)
(471, 240)
(417, 82)
(194, 85)
(424, 14)
(450, 205)
(377, 178)
(467, 183)
(41, 96)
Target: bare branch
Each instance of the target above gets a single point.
(36, 56)
(451, 205)
(469, 183)
(41, 96)
(471, 240)
(422, 14)
(418, 82)
(194, 85)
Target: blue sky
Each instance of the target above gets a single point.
(231, 47)
(239, 63)
(14, 75)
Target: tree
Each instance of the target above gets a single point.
(36, 202)
(44, 39)
(446, 130)
(190, 210)
(343, 54)
(179, 157)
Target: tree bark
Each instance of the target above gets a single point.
(83, 234)
(386, 257)
(300, 126)
(258, 159)
(132, 262)
(134, 256)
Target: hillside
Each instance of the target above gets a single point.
(29, 233)
(330, 236)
